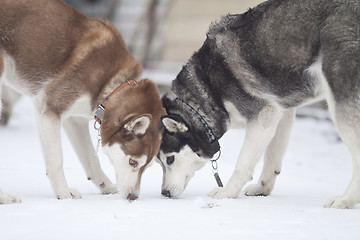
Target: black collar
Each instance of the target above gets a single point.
(215, 146)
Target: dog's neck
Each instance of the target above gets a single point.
(212, 139)
(101, 106)
(202, 101)
(108, 89)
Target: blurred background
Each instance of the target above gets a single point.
(162, 33)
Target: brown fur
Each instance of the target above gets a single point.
(79, 54)
(61, 55)
(128, 104)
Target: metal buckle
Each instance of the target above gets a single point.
(99, 113)
(214, 166)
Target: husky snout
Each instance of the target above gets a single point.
(172, 191)
(132, 197)
(178, 169)
(128, 171)
(166, 193)
(175, 190)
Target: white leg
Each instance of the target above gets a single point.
(348, 125)
(258, 136)
(77, 130)
(1, 80)
(0, 92)
(8, 99)
(1, 73)
(6, 198)
(50, 140)
(273, 157)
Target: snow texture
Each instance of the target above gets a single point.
(317, 166)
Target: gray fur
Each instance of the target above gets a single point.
(280, 55)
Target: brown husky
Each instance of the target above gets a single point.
(69, 63)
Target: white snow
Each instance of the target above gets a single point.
(316, 167)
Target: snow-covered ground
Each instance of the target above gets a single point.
(316, 167)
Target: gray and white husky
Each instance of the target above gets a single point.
(253, 70)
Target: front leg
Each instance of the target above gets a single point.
(273, 157)
(77, 130)
(8, 99)
(50, 140)
(259, 133)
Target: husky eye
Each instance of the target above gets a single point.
(133, 162)
(170, 160)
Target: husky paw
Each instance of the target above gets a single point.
(259, 189)
(68, 193)
(220, 192)
(108, 188)
(340, 203)
(6, 199)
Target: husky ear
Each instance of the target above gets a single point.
(172, 125)
(139, 125)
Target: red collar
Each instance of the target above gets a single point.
(99, 113)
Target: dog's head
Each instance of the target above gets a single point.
(131, 133)
(185, 147)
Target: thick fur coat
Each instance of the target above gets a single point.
(253, 70)
(69, 63)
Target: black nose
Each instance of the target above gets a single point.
(166, 193)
